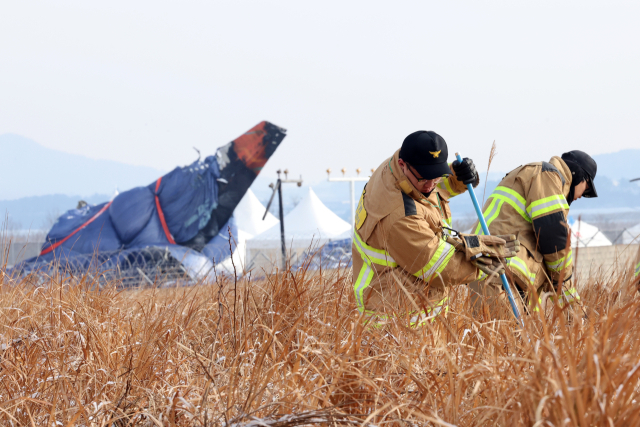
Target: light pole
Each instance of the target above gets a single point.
(278, 187)
(351, 180)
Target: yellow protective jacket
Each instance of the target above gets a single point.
(530, 202)
(401, 262)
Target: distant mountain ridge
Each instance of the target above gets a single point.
(28, 169)
(622, 165)
(38, 183)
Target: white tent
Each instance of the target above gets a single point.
(239, 255)
(309, 222)
(586, 235)
(631, 235)
(249, 214)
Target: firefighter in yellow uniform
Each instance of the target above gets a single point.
(532, 202)
(402, 261)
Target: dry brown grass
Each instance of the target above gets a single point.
(292, 350)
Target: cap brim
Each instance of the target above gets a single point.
(591, 192)
(433, 171)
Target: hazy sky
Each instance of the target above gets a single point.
(144, 81)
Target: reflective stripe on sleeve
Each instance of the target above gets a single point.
(520, 265)
(637, 273)
(537, 208)
(546, 205)
(438, 261)
(560, 264)
(446, 185)
(376, 256)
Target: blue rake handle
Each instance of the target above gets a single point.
(505, 282)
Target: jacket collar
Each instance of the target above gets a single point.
(403, 183)
(565, 171)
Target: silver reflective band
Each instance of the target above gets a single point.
(519, 264)
(561, 263)
(561, 203)
(362, 282)
(445, 251)
(511, 197)
(377, 256)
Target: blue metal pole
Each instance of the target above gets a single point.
(483, 223)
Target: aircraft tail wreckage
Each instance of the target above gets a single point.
(181, 221)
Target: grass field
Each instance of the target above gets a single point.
(292, 350)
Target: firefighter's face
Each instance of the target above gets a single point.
(579, 190)
(421, 184)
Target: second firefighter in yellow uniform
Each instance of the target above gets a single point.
(532, 201)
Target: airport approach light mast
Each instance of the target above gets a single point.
(278, 187)
(351, 180)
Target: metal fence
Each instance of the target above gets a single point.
(154, 266)
(17, 252)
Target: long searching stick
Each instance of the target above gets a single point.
(505, 282)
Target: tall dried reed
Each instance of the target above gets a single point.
(291, 349)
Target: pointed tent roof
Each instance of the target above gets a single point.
(586, 235)
(631, 235)
(310, 221)
(249, 214)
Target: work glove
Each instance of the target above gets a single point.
(466, 172)
(484, 251)
(475, 246)
(489, 266)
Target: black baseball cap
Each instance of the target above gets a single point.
(589, 167)
(427, 152)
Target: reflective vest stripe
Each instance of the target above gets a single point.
(514, 199)
(571, 295)
(560, 264)
(430, 314)
(546, 205)
(495, 214)
(521, 266)
(376, 256)
(438, 261)
(518, 203)
(489, 212)
(446, 185)
(372, 255)
(362, 282)
(637, 273)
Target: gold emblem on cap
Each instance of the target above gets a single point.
(435, 154)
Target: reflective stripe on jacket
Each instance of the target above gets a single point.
(530, 202)
(636, 272)
(401, 262)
